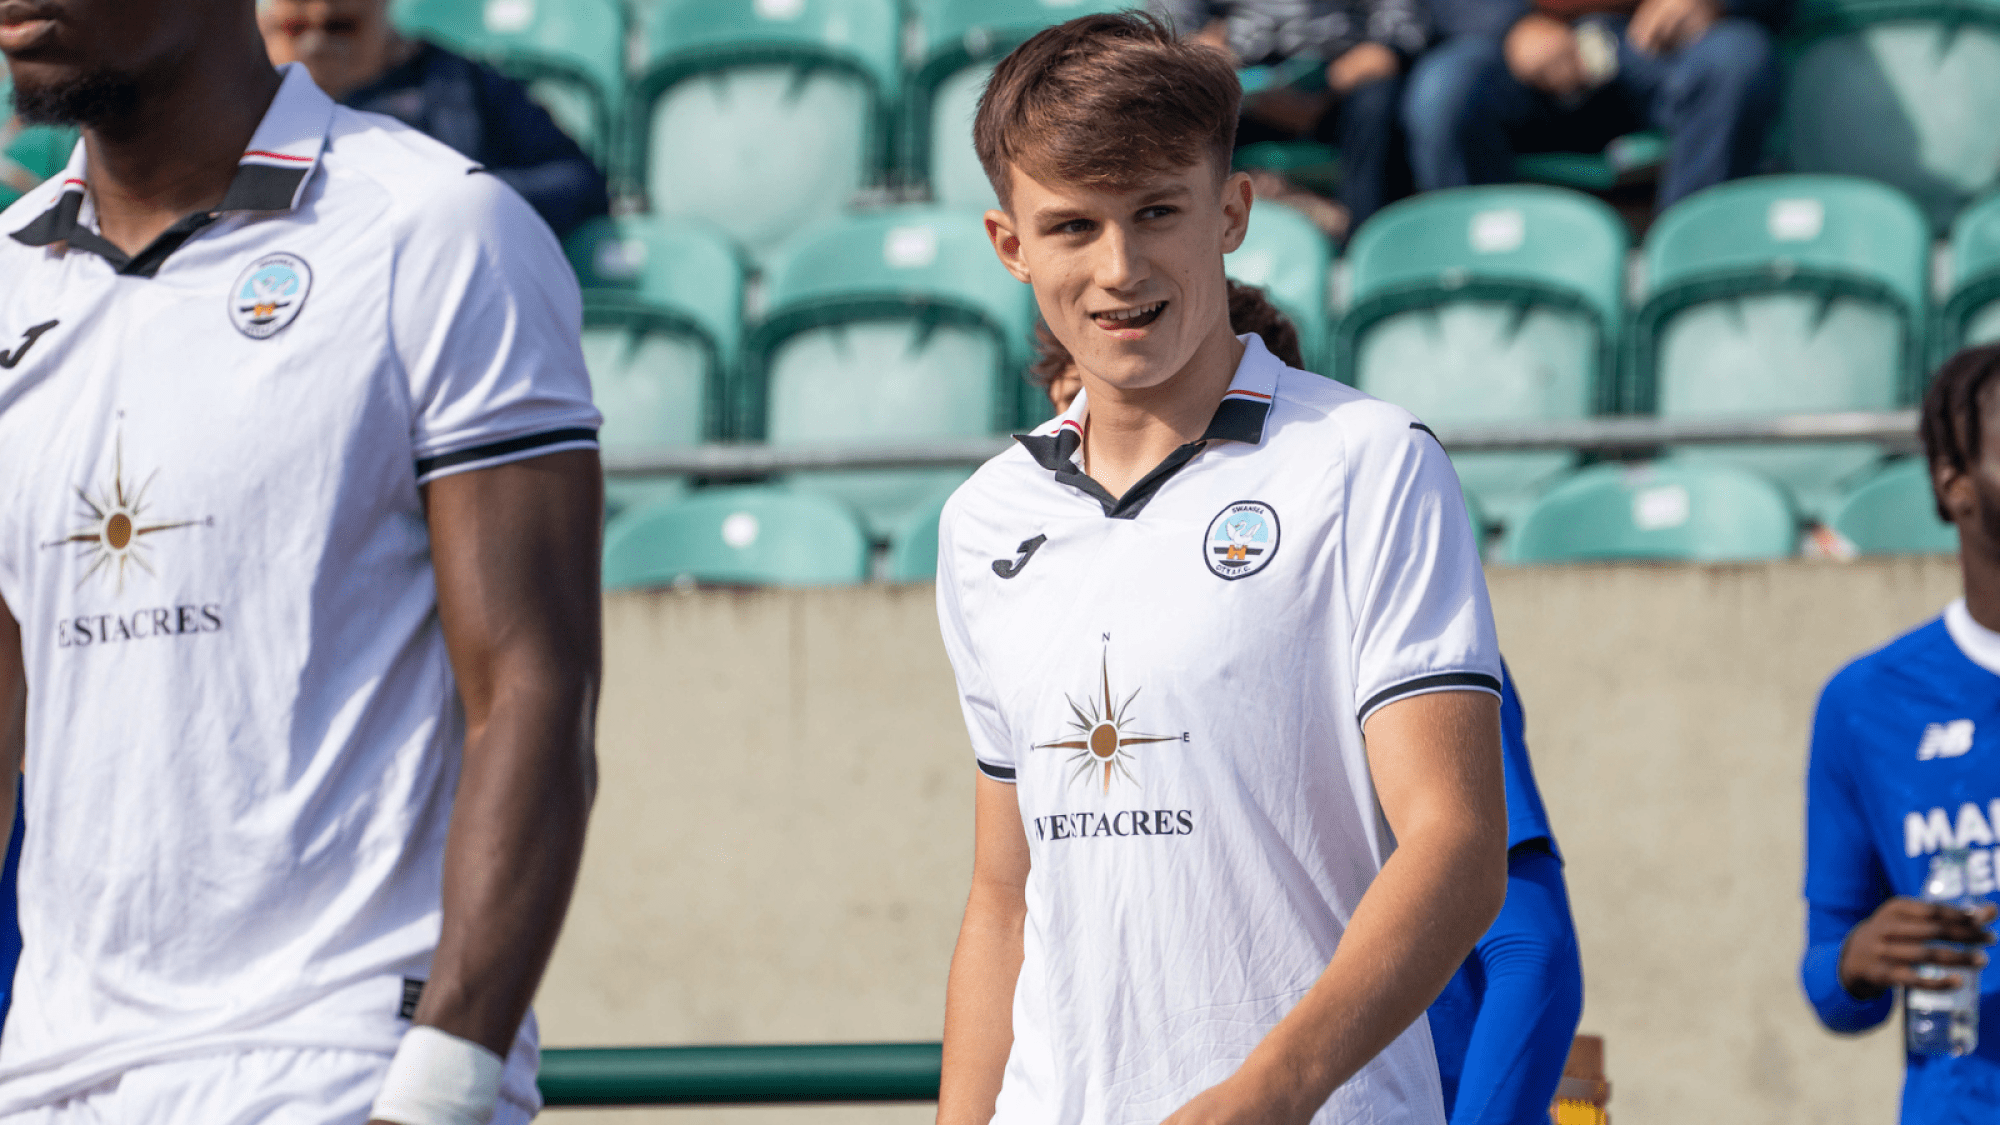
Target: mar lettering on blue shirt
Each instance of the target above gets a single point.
(1905, 761)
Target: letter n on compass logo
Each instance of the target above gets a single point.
(115, 523)
(1101, 733)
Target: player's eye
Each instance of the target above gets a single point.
(1157, 211)
(1075, 226)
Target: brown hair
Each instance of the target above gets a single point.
(1102, 101)
(1249, 311)
(1949, 424)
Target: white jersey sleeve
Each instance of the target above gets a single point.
(1415, 586)
(992, 745)
(487, 321)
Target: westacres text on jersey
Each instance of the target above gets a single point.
(1131, 822)
(139, 625)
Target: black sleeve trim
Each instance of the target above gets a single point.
(1442, 680)
(428, 465)
(997, 773)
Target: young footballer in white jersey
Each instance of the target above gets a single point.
(1223, 646)
(299, 510)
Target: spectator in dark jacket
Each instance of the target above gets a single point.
(1361, 49)
(1570, 75)
(355, 54)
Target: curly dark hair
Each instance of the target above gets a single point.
(1950, 419)
(1249, 311)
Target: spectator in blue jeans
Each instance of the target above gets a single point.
(357, 57)
(1570, 75)
(1350, 98)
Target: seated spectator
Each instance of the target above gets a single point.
(355, 54)
(1351, 102)
(1249, 312)
(1571, 75)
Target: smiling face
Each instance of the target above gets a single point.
(1129, 279)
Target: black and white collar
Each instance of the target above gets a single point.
(270, 176)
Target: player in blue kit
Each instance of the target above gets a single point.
(1503, 1026)
(1905, 762)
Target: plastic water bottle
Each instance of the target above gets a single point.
(1945, 1022)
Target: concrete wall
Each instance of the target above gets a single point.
(782, 840)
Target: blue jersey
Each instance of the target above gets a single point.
(1503, 1025)
(1905, 761)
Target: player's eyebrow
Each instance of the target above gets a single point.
(1055, 215)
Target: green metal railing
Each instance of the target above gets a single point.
(765, 1074)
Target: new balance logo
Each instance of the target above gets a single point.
(9, 359)
(1008, 568)
(1945, 740)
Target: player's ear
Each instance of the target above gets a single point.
(1007, 244)
(1954, 492)
(1236, 199)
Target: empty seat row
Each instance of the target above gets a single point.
(758, 535)
(1765, 296)
(1669, 510)
(1677, 509)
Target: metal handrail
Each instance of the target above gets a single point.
(1894, 429)
(763, 1074)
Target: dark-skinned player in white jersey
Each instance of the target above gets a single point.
(298, 593)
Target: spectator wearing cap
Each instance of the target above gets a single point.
(356, 55)
(1349, 97)
(1515, 76)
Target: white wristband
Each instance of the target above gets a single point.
(437, 1078)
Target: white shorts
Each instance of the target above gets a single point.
(272, 1086)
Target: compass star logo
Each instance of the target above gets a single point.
(116, 522)
(1101, 733)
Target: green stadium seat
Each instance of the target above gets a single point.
(897, 325)
(28, 155)
(913, 554)
(1489, 304)
(1895, 512)
(1778, 295)
(961, 40)
(1971, 314)
(1664, 510)
(1902, 91)
(661, 333)
(569, 53)
(746, 536)
(1285, 255)
(762, 116)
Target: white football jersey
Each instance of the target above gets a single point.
(1176, 681)
(243, 729)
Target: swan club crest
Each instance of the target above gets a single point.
(1241, 540)
(268, 295)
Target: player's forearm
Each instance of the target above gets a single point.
(13, 700)
(511, 858)
(1432, 900)
(979, 1006)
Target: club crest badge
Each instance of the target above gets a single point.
(1241, 539)
(268, 295)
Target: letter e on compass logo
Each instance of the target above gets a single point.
(269, 294)
(1241, 540)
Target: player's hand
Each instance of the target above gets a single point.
(1661, 27)
(1361, 64)
(1541, 51)
(1236, 1101)
(1885, 950)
